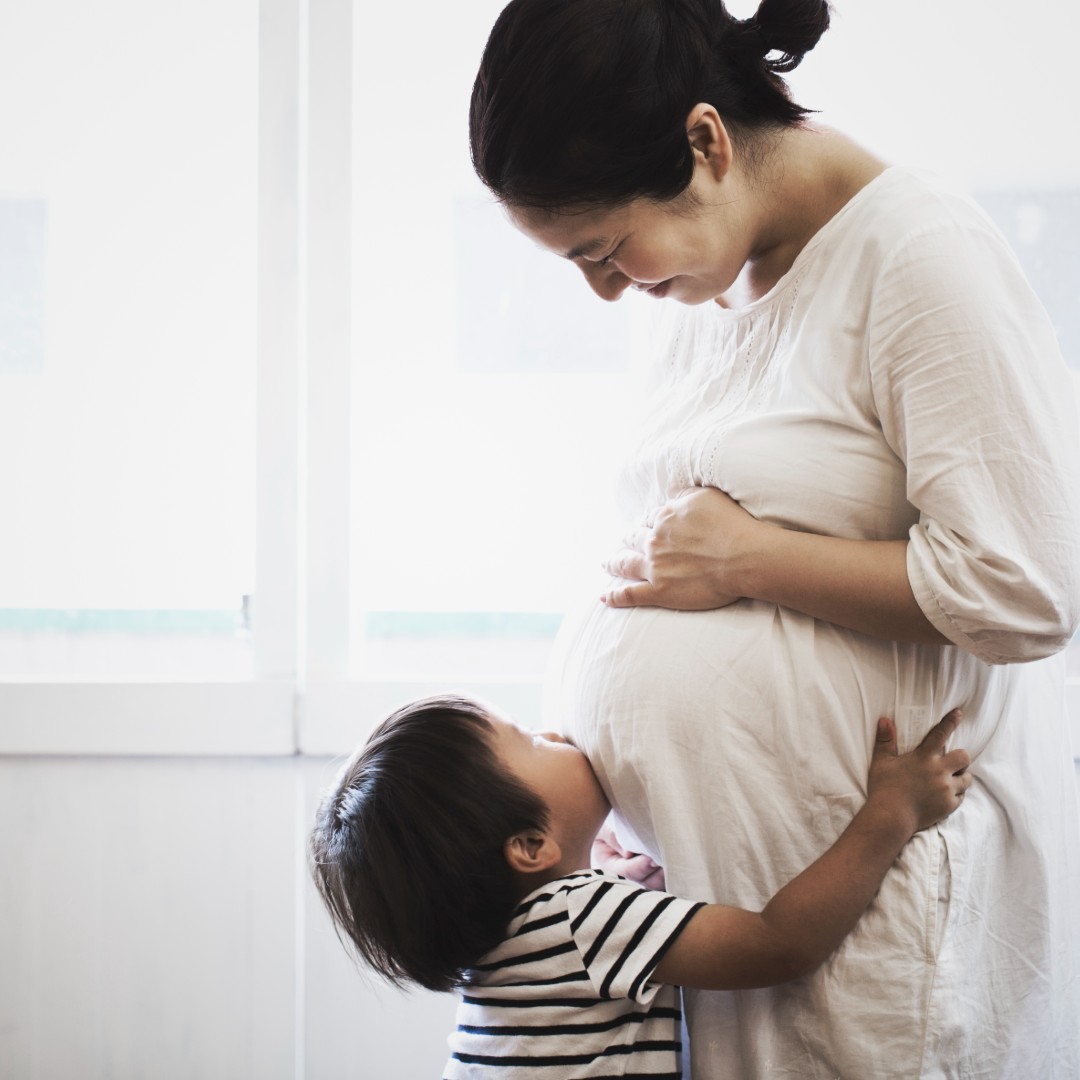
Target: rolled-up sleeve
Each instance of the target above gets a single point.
(974, 397)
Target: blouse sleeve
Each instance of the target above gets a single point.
(975, 399)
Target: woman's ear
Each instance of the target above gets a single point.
(531, 852)
(709, 139)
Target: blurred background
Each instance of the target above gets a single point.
(296, 427)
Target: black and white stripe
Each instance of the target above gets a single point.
(567, 993)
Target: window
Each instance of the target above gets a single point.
(417, 482)
(485, 431)
(127, 338)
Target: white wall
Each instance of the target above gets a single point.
(157, 923)
(147, 918)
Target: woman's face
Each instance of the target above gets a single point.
(691, 250)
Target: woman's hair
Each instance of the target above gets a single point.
(407, 849)
(584, 102)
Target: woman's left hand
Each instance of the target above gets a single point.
(686, 555)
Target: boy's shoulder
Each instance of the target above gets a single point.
(556, 894)
(591, 929)
(540, 925)
(574, 893)
(581, 906)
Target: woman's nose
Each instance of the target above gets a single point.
(554, 736)
(607, 282)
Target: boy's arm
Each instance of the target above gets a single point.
(727, 948)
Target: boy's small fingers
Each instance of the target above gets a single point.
(957, 761)
(885, 740)
(939, 734)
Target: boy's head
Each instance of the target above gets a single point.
(436, 828)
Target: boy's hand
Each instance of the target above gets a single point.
(608, 854)
(926, 784)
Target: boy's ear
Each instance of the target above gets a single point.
(531, 851)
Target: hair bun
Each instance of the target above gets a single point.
(789, 27)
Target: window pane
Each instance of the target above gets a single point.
(490, 386)
(127, 271)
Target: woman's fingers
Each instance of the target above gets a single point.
(678, 556)
(633, 594)
(637, 538)
(631, 561)
(627, 564)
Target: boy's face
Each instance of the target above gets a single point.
(561, 775)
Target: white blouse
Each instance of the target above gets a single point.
(901, 380)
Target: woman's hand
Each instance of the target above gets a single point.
(701, 550)
(685, 555)
(608, 854)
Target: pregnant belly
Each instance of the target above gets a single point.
(744, 733)
(736, 745)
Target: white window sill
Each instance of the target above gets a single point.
(148, 718)
(253, 719)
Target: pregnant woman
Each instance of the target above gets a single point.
(856, 491)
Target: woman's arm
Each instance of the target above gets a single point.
(726, 948)
(701, 550)
(967, 383)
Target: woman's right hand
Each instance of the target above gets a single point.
(685, 554)
(701, 550)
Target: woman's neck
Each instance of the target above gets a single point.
(807, 178)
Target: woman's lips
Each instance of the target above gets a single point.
(658, 290)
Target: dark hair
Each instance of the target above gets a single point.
(584, 102)
(407, 849)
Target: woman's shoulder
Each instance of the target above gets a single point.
(904, 218)
(900, 216)
(903, 202)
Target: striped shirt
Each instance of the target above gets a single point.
(567, 994)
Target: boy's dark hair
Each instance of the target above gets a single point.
(584, 102)
(407, 849)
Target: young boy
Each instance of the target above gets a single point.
(453, 850)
